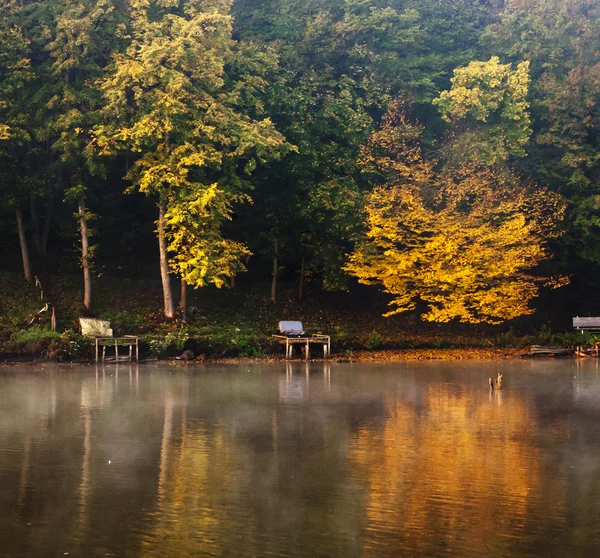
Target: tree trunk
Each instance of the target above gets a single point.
(35, 221)
(301, 281)
(85, 258)
(232, 281)
(275, 271)
(24, 250)
(47, 222)
(164, 264)
(183, 301)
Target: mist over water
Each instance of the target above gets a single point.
(316, 460)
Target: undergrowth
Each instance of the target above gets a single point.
(231, 322)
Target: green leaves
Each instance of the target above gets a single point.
(170, 101)
(488, 105)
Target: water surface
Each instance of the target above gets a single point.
(321, 460)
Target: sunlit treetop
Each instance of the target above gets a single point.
(488, 108)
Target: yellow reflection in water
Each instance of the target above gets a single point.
(190, 484)
(463, 466)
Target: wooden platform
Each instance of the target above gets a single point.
(551, 351)
(129, 341)
(289, 342)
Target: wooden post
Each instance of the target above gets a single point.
(116, 350)
(137, 350)
(130, 351)
(307, 355)
(53, 320)
(103, 352)
(96, 349)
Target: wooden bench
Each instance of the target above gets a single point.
(292, 333)
(586, 324)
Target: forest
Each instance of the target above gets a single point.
(431, 162)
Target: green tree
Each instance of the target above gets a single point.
(488, 108)
(15, 74)
(562, 42)
(169, 101)
(341, 62)
(79, 51)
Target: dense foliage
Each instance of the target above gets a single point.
(447, 151)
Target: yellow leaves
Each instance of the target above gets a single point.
(200, 255)
(4, 132)
(465, 251)
(493, 95)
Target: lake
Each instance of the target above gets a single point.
(403, 459)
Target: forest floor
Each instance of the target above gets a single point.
(237, 324)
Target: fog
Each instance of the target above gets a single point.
(304, 460)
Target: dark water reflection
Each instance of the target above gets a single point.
(340, 460)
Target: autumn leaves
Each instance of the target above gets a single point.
(460, 233)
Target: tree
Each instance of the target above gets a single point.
(341, 61)
(169, 102)
(464, 243)
(488, 107)
(15, 73)
(562, 41)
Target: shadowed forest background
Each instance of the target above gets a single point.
(332, 161)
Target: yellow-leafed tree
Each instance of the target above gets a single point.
(464, 243)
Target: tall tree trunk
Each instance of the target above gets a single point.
(47, 222)
(23, 241)
(85, 257)
(164, 263)
(232, 281)
(301, 280)
(35, 221)
(275, 271)
(183, 300)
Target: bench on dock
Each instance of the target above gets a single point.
(292, 333)
(102, 333)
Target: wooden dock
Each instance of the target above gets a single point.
(130, 341)
(289, 342)
(540, 350)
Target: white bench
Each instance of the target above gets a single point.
(586, 324)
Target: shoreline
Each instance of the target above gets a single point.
(380, 356)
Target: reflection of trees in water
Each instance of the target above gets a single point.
(264, 479)
(464, 471)
(58, 430)
(299, 463)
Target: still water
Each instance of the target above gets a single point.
(411, 459)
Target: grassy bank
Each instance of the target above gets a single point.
(231, 323)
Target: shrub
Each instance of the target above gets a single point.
(374, 340)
